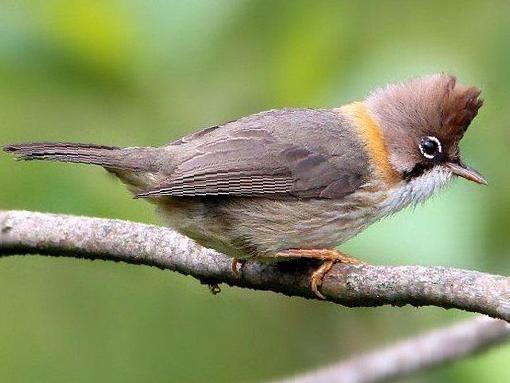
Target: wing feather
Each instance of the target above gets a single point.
(256, 156)
(223, 184)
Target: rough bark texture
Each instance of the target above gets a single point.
(24, 232)
(350, 285)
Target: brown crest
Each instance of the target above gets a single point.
(460, 106)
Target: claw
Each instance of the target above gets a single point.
(234, 268)
(318, 276)
(329, 256)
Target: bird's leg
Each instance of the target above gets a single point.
(234, 266)
(329, 256)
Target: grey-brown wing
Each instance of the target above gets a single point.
(253, 159)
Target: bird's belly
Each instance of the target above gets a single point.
(325, 230)
(244, 227)
(305, 224)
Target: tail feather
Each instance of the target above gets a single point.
(107, 156)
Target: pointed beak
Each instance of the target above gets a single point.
(459, 169)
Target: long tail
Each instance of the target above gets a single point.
(107, 156)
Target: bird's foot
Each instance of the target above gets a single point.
(318, 275)
(329, 256)
(234, 266)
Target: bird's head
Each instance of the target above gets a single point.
(422, 122)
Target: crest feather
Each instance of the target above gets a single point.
(460, 106)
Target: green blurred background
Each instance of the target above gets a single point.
(146, 72)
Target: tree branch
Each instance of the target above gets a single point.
(423, 352)
(24, 232)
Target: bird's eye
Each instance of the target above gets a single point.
(430, 147)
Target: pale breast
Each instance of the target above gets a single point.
(416, 190)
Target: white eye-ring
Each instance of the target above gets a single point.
(430, 147)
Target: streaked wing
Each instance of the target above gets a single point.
(231, 183)
(248, 160)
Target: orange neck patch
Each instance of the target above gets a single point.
(370, 132)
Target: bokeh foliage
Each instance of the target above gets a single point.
(146, 72)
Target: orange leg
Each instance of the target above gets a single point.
(234, 266)
(329, 256)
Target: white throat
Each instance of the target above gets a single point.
(417, 190)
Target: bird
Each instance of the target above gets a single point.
(296, 183)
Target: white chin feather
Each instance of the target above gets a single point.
(417, 190)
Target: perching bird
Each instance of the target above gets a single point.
(294, 183)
